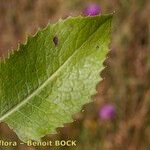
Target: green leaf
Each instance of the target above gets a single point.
(53, 75)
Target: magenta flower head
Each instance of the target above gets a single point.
(92, 10)
(107, 112)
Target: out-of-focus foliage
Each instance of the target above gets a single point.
(126, 83)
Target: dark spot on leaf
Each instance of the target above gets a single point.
(55, 40)
(71, 26)
(97, 46)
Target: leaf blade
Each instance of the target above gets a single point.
(69, 61)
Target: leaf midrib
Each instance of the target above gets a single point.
(35, 92)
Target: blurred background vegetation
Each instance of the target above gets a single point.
(126, 83)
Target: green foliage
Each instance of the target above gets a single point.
(49, 78)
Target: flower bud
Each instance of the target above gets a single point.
(92, 10)
(107, 112)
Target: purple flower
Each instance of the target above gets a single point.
(107, 112)
(92, 10)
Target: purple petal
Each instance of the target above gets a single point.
(92, 10)
(107, 112)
